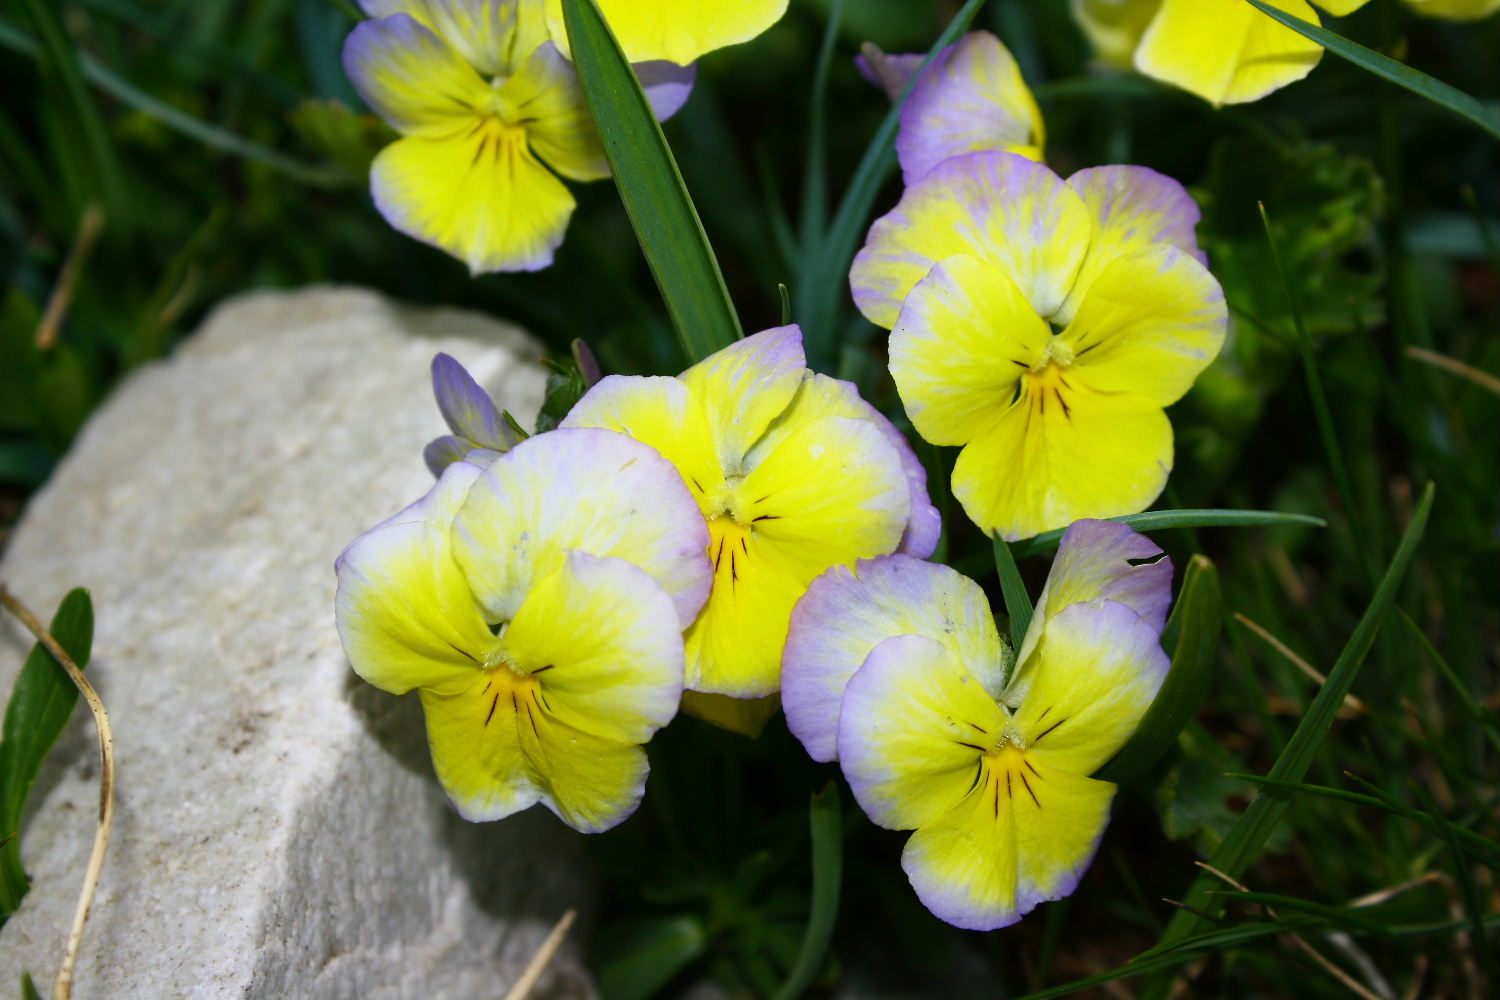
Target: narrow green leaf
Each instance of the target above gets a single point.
(1486, 719)
(815, 173)
(1245, 840)
(1013, 589)
(1194, 630)
(645, 955)
(651, 187)
(40, 703)
(28, 988)
(1402, 75)
(826, 280)
(826, 822)
(1155, 520)
(1464, 876)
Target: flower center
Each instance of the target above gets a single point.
(1058, 354)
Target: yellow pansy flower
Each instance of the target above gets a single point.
(793, 473)
(491, 116)
(973, 271)
(896, 670)
(537, 606)
(678, 31)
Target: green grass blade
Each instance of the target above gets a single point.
(815, 173)
(1402, 75)
(40, 703)
(827, 278)
(1321, 411)
(826, 822)
(647, 954)
(1249, 834)
(661, 211)
(1195, 626)
(1013, 589)
(1486, 719)
(1158, 520)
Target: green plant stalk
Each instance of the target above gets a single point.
(815, 175)
(827, 278)
(826, 823)
(1160, 520)
(651, 187)
(1443, 95)
(1013, 589)
(1249, 834)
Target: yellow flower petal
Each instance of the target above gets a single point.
(745, 386)
(592, 490)
(1455, 10)
(482, 30)
(914, 727)
(412, 78)
(1149, 325)
(405, 614)
(746, 716)
(603, 644)
(1024, 835)
(1114, 27)
(480, 196)
(1061, 452)
(662, 412)
(965, 336)
(592, 784)
(1016, 214)
(1096, 669)
(476, 751)
(546, 95)
(1338, 8)
(678, 31)
(1226, 51)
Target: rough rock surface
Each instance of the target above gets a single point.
(279, 833)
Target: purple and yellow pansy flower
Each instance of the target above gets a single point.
(1043, 325)
(537, 606)
(896, 670)
(792, 472)
(491, 118)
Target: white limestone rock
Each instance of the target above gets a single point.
(279, 833)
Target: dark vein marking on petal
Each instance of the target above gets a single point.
(493, 702)
(1029, 791)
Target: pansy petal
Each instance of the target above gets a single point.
(678, 31)
(468, 409)
(1149, 325)
(591, 784)
(667, 85)
(847, 613)
(965, 336)
(443, 452)
(404, 612)
(1095, 561)
(412, 78)
(481, 197)
(1014, 213)
(1224, 51)
(1133, 208)
(1340, 8)
(832, 491)
(821, 396)
(546, 95)
(661, 412)
(587, 489)
(1024, 835)
(1454, 10)
(1059, 454)
(913, 728)
(971, 97)
(1114, 27)
(602, 642)
(890, 71)
(734, 648)
(482, 30)
(476, 752)
(1096, 670)
(745, 386)
(746, 716)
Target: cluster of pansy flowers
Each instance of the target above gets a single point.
(492, 118)
(751, 531)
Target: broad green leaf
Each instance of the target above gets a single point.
(1260, 819)
(1192, 638)
(1402, 75)
(661, 211)
(40, 703)
(1017, 602)
(1157, 520)
(826, 822)
(825, 280)
(644, 955)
